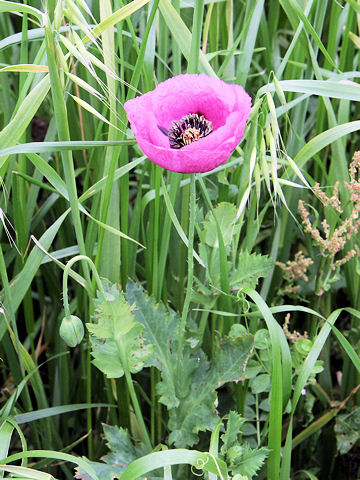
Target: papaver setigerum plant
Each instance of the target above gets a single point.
(179, 239)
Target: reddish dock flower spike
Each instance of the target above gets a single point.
(189, 123)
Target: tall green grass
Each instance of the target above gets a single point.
(86, 189)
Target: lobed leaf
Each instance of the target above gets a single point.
(122, 453)
(116, 338)
(247, 461)
(188, 384)
(250, 268)
(233, 430)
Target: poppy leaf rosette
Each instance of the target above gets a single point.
(190, 123)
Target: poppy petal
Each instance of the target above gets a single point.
(226, 106)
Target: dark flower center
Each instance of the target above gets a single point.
(189, 129)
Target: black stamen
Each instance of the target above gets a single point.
(163, 130)
(189, 129)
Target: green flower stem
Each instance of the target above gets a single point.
(154, 219)
(190, 275)
(133, 395)
(88, 261)
(64, 135)
(66, 275)
(225, 303)
(155, 283)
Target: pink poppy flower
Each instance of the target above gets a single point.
(190, 123)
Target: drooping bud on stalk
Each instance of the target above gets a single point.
(71, 330)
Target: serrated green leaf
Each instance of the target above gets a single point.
(191, 395)
(114, 317)
(245, 460)
(116, 338)
(225, 214)
(196, 411)
(251, 267)
(119, 442)
(173, 389)
(122, 453)
(107, 355)
(233, 429)
(160, 330)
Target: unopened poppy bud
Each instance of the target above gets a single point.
(71, 330)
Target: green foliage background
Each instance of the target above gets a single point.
(181, 280)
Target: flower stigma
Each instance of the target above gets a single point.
(189, 129)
